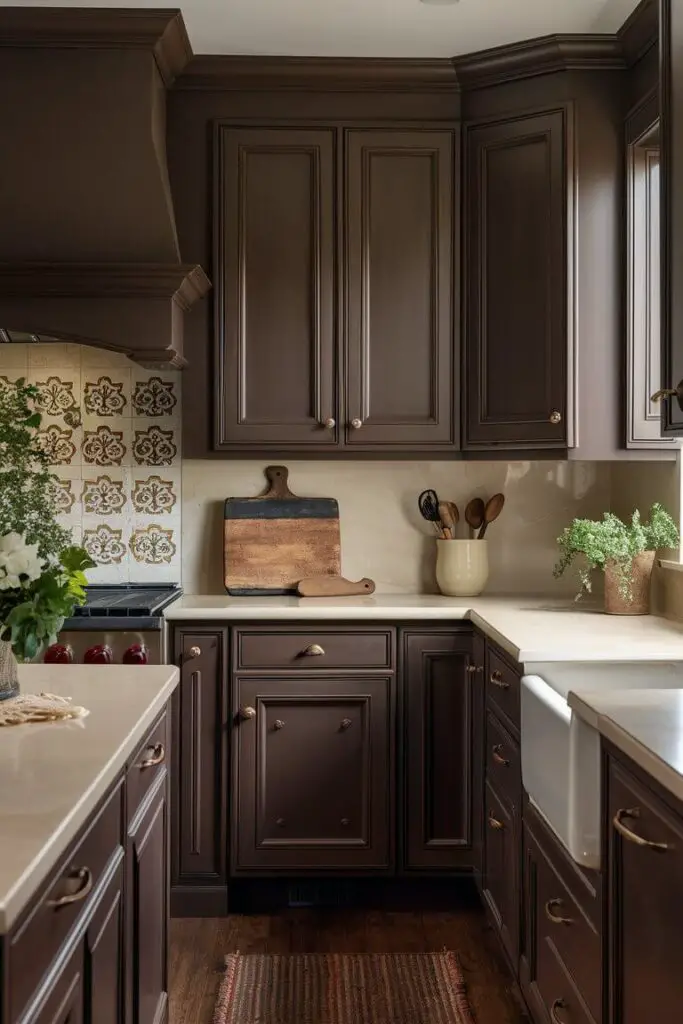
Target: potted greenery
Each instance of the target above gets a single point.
(42, 575)
(625, 552)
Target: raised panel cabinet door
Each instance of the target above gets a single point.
(400, 289)
(274, 288)
(439, 677)
(200, 731)
(516, 270)
(501, 869)
(63, 1004)
(645, 896)
(104, 950)
(148, 910)
(671, 129)
(313, 774)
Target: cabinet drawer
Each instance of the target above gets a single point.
(146, 765)
(313, 650)
(37, 938)
(561, 1000)
(503, 764)
(502, 688)
(566, 941)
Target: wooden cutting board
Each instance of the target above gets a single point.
(273, 541)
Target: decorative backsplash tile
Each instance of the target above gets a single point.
(112, 433)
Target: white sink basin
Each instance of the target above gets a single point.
(561, 753)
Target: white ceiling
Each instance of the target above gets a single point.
(373, 28)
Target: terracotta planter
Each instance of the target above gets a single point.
(615, 603)
(9, 672)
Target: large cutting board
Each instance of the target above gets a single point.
(273, 541)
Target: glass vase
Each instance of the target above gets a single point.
(9, 671)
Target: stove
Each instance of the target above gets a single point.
(116, 625)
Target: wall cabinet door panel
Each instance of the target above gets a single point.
(312, 774)
(516, 270)
(274, 288)
(440, 755)
(399, 220)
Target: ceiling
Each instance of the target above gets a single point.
(374, 28)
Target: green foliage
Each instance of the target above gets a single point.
(611, 540)
(34, 612)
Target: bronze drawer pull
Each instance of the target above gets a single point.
(345, 723)
(497, 755)
(559, 1004)
(278, 724)
(665, 393)
(556, 918)
(195, 651)
(345, 822)
(158, 755)
(356, 423)
(246, 713)
(84, 875)
(495, 824)
(633, 837)
(330, 423)
(555, 417)
(496, 678)
(312, 651)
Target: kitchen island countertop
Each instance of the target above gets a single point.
(54, 773)
(530, 629)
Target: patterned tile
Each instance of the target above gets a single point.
(65, 496)
(104, 445)
(58, 444)
(107, 395)
(104, 495)
(155, 495)
(155, 445)
(153, 544)
(104, 543)
(155, 396)
(57, 396)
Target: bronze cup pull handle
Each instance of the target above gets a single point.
(313, 651)
(629, 834)
(496, 825)
(559, 1004)
(84, 875)
(496, 678)
(550, 908)
(158, 755)
(497, 754)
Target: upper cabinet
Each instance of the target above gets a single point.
(671, 129)
(516, 275)
(335, 290)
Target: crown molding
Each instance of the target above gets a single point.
(640, 31)
(161, 31)
(318, 74)
(539, 56)
(184, 283)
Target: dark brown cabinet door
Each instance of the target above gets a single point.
(313, 774)
(400, 316)
(645, 893)
(671, 129)
(439, 679)
(199, 790)
(274, 288)
(148, 909)
(516, 271)
(64, 1002)
(501, 868)
(104, 948)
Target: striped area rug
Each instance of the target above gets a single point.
(391, 988)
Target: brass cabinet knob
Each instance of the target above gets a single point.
(278, 724)
(330, 423)
(247, 712)
(555, 417)
(345, 723)
(471, 669)
(195, 652)
(356, 423)
(498, 826)
(313, 651)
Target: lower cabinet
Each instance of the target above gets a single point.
(312, 774)
(442, 693)
(500, 875)
(104, 947)
(64, 1002)
(644, 830)
(561, 962)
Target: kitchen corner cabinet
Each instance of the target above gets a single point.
(517, 226)
(200, 723)
(335, 297)
(644, 835)
(442, 692)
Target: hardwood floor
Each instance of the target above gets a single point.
(198, 946)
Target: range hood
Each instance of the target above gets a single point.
(88, 243)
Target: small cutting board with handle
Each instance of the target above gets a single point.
(273, 541)
(335, 586)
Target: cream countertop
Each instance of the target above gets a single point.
(529, 629)
(647, 725)
(54, 773)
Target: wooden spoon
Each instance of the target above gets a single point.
(447, 520)
(494, 506)
(455, 513)
(474, 515)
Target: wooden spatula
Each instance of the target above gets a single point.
(334, 586)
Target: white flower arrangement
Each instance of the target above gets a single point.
(20, 563)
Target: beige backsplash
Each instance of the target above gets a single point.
(383, 535)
